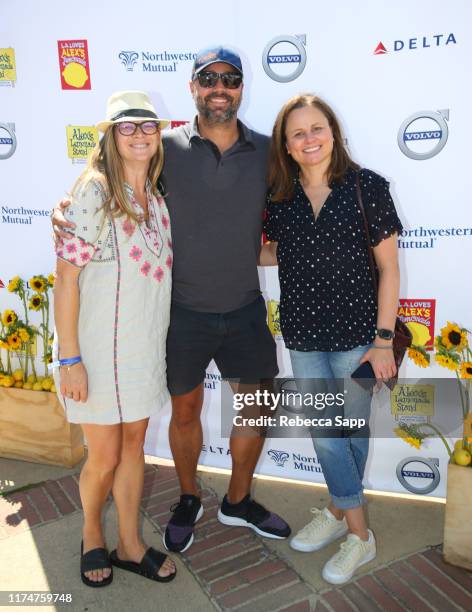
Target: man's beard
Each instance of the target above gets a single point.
(213, 116)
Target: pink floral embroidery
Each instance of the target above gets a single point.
(72, 260)
(135, 253)
(169, 244)
(165, 221)
(128, 227)
(158, 274)
(85, 256)
(160, 201)
(71, 247)
(145, 268)
(60, 253)
(169, 262)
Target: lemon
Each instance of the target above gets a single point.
(459, 445)
(8, 381)
(18, 384)
(419, 332)
(31, 379)
(75, 75)
(462, 457)
(46, 384)
(40, 379)
(37, 386)
(53, 388)
(27, 386)
(18, 374)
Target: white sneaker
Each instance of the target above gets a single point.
(320, 531)
(353, 553)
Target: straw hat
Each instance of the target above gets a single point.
(130, 106)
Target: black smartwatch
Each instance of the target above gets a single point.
(385, 334)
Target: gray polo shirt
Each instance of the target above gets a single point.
(216, 204)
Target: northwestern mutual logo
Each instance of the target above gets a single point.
(300, 462)
(154, 61)
(21, 215)
(426, 237)
(421, 42)
(279, 457)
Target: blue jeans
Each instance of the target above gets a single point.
(343, 458)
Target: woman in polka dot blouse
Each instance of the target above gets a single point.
(330, 317)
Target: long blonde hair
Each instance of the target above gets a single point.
(106, 166)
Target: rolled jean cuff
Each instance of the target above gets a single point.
(348, 502)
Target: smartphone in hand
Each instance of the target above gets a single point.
(364, 376)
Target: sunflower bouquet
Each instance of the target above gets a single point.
(451, 351)
(19, 338)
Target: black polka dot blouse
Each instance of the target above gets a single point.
(327, 300)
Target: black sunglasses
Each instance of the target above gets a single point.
(230, 80)
(128, 128)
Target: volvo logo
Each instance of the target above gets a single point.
(279, 457)
(284, 57)
(7, 140)
(410, 475)
(128, 59)
(424, 134)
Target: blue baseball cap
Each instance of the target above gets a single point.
(213, 55)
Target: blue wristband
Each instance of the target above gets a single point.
(70, 361)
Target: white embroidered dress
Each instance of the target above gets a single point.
(125, 291)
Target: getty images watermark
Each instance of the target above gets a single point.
(330, 404)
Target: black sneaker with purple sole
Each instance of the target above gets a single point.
(248, 513)
(178, 536)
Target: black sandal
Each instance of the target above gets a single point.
(150, 564)
(95, 559)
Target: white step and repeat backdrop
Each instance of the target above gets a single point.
(397, 73)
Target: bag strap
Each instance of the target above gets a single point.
(366, 229)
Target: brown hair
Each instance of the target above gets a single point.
(283, 169)
(106, 166)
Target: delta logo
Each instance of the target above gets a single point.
(74, 64)
(412, 44)
(419, 315)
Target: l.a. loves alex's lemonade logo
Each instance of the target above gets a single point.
(81, 140)
(74, 64)
(419, 316)
(7, 66)
(273, 317)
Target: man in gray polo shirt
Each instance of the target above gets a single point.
(215, 186)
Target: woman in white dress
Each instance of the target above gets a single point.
(112, 305)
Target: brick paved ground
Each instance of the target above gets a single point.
(238, 572)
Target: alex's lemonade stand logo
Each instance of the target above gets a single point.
(7, 67)
(74, 64)
(81, 139)
(273, 317)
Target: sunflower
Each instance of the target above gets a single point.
(4, 345)
(9, 317)
(453, 337)
(446, 361)
(14, 284)
(419, 356)
(36, 302)
(466, 369)
(14, 341)
(38, 284)
(409, 437)
(24, 335)
(51, 279)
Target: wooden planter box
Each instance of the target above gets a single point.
(33, 427)
(457, 527)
